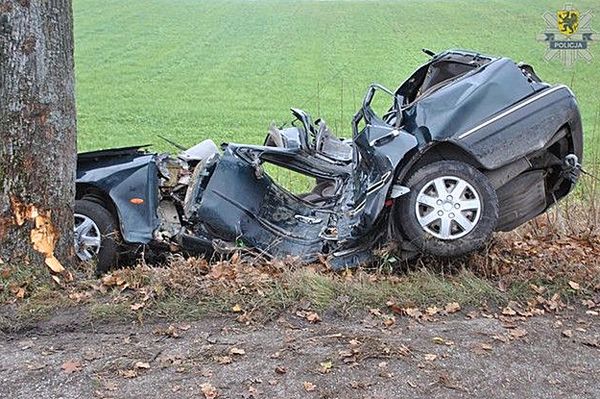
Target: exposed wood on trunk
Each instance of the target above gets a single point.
(37, 126)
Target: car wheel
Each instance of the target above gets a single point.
(451, 209)
(96, 235)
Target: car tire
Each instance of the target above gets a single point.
(96, 235)
(443, 224)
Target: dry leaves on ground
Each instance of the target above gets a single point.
(237, 351)
(310, 316)
(209, 391)
(142, 365)
(71, 366)
(309, 386)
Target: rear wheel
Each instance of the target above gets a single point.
(451, 210)
(96, 235)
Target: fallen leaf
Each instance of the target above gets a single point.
(20, 293)
(502, 338)
(589, 303)
(395, 308)
(452, 307)
(415, 313)
(223, 359)
(482, 348)
(313, 317)
(430, 357)
(6, 272)
(36, 366)
(508, 311)
(486, 347)
(137, 306)
(71, 366)
(309, 386)
(206, 372)
(237, 351)
(142, 365)
(170, 331)
(518, 333)
(128, 373)
(442, 341)
(538, 289)
(252, 391)
(375, 312)
(574, 285)
(209, 391)
(432, 310)
(325, 367)
(444, 380)
(280, 370)
(472, 314)
(591, 312)
(567, 333)
(236, 308)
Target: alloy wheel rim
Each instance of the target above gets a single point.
(448, 207)
(87, 237)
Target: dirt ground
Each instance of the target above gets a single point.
(550, 356)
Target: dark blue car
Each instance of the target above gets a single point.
(468, 145)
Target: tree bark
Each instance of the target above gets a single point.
(38, 130)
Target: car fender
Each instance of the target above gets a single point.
(131, 182)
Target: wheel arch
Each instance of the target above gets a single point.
(89, 192)
(433, 152)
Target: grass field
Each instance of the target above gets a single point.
(192, 69)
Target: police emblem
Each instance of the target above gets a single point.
(568, 21)
(568, 35)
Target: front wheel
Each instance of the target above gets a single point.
(451, 210)
(96, 235)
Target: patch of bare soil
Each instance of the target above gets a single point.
(466, 354)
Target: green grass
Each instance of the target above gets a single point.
(192, 69)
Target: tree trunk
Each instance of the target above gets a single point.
(37, 125)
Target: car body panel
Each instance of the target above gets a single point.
(500, 142)
(470, 100)
(123, 174)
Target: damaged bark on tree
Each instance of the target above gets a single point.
(38, 129)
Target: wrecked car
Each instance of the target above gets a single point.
(469, 144)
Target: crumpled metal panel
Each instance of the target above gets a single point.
(462, 105)
(123, 175)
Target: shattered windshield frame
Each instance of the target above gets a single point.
(392, 118)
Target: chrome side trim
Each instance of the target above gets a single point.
(513, 109)
(398, 190)
(376, 186)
